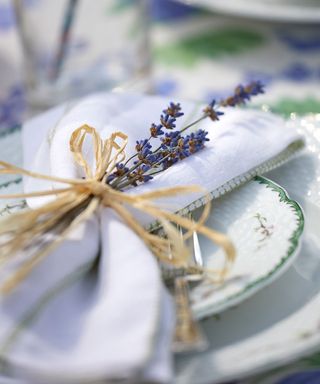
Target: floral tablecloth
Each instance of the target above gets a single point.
(199, 56)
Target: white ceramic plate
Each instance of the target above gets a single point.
(265, 226)
(281, 322)
(304, 11)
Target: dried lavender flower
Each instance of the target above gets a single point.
(173, 146)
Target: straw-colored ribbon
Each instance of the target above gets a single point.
(38, 231)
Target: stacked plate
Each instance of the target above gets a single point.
(280, 323)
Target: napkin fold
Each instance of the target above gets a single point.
(95, 308)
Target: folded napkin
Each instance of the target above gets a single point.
(80, 318)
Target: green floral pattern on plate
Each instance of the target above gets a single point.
(256, 266)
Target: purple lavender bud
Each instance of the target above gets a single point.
(121, 170)
(167, 121)
(139, 175)
(156, 130)
(242, 94)
(140, 144)
(255, 88)
(211, 112)
(173, 110)
(170, 139)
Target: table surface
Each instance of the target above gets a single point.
(201, 56)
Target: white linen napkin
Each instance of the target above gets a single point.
(119, 324)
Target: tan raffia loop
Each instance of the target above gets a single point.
(79, 200)
(104, 164)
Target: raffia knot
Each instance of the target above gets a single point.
(101, 190)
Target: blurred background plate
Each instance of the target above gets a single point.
(306, 11)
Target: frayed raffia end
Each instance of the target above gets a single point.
(36, 233)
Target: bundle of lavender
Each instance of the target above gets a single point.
(176, 144)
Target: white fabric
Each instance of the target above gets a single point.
(119, 325)
(239, 142)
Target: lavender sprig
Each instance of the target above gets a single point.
(174, 146)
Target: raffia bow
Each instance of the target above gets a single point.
(39, 231)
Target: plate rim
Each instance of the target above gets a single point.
(280, 268)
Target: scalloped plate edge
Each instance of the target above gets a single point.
(285, 262)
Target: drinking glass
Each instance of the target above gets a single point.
(74, 47)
